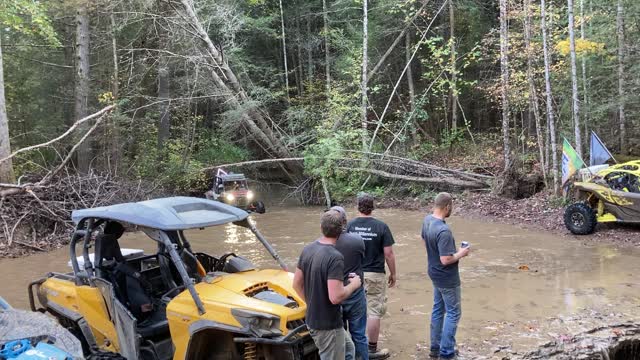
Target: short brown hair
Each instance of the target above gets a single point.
(331, 224)
(365, 203)
(443, 200)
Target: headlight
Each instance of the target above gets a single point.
(250, 195)
(259, 324)
(230, 197)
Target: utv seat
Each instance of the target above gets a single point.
(156, 325)
(130, 288)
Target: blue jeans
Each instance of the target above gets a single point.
(444, 320)
(354, 314)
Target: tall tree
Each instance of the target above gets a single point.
(284, 50)
(6, 167)
(164, 94)
(533, 93)
(82, 66)
(621, 75)
(363, 86)
(453, 88)
(309, 52)
(574, 79)
(410, 84)
(549, 95)
(504, 71)
(226, 81)
(583, 63)
(327, 58)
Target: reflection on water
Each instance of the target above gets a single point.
(563, 277)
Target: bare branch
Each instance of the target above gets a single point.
(66, 133)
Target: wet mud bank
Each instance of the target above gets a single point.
(539, 212)
(616, 342)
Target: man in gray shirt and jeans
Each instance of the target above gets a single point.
(319, 281)
(443, 258)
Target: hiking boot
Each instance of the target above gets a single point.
(379, 354)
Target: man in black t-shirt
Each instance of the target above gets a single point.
(354, 309)
(319, 281)
(378, 250)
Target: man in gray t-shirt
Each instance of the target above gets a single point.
(354, 309)
(443, 258)
(319, 281)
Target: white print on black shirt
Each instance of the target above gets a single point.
(366, 236)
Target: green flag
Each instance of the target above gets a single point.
(571, 162)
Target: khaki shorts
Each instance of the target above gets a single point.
(375, 285)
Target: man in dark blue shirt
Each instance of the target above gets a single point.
(443, 258)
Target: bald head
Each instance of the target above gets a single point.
(443, 205)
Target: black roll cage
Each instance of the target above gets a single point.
(87, 226)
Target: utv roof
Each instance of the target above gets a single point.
(233, 177)
(172, 213)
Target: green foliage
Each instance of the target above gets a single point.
(179, 164)
(28, 18)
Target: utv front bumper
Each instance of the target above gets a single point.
(296, 345)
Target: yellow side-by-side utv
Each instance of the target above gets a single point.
(174, 303)
(611, 195)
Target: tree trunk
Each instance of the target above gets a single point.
(453, 89)
(363, 86)
(327, 58)
(574, 80)
(284, 51)
(547, 81)
(533, 94)
(114, 139)
(412, 92)
(583, 63)
(6, 167)
(164, 94)
(621, 84)
(82, 66)
(309, 53)
(232, 92)
(504, 70)
(300, 67)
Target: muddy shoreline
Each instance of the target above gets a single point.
(539, 212)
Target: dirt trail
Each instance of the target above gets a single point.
(569, 287)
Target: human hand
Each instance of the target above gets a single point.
(355, 279)
(463, 252)
(392, 280)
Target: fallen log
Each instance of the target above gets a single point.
(429, 180)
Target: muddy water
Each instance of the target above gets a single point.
(502, 305)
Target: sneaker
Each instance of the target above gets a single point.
(379, 354)
(434, 354)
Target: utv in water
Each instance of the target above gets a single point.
(233, 189)
(611, 195)
(174, 303)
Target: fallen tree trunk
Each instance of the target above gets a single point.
(429, 180)
(393, 167)
(235, 96)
